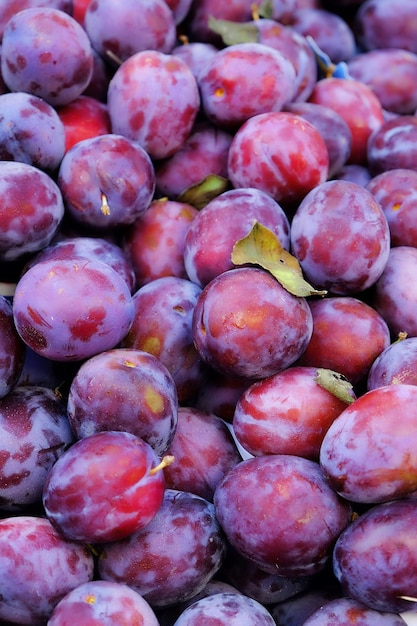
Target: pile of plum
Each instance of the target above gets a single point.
(208, 312)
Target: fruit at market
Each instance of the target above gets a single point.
(30, 131)
(393, 145)
(11, 7)
(44, 313)
(221, 223)
(375, 557)
(292, 157)
(343, 256)
(279, 511)
(396, 192)
(288, 413)
(341, 610)
(382, 24)
(295, 610)
(204, 450)
(83, 118)
(153, 99)
(348, 335)
(173, 557)
(35, 59)
(124, 390)
(106, 181)
(32, 208)
(12, 349)
(227, 609)
(102, 602)
(117, 31)
(162, 326)
(195, 54)
(34, 432)
(368, 453)
(246, 324)
(38, 568)
(396, 364)
(104, 487)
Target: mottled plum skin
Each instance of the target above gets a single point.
(279, 511)
(173, 557)
(46, 320)
(221, 223)
(393, 145)
(162, 326)
(35, 55)
(288, 413)
(83, 118)
(124, 29)
(396, 364)
(32, 209)
(246, 324)
(12, 349)
(103, 488)
(396, 192)
(106, 181)
(153, 99)
(34, 433)
(124, 390)
(348, 335)
(394, 295)
(11, 7)
(225, 609)
(368, 453)
(344, 610)
(375, 557)
(343, 256)
(39, 567)
(102, 602)
(380, 24)
(30, 131)
(195, 54)
(155, 241)
(292, 157)
(204, 451)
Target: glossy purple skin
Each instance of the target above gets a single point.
(111, 166)
(332, 127)
(394, 295)
(180, 9)
(153, 99)
(375, 557)
(50, 72)
(12, 349)
(204, 451)
(368, 454)
(396, 192)
(30, 131)
(292, 157)
(243, 80)
(34, 433)
(30, 545)
(162, 326)
(246, 324)
(102, 489)
(102, 602)
(381, 24)
(221, 223)
(279, 511)
(226, 609)
(363, 240)
(195, 54)
(344, 610)
(204, 153)
(295, 610)
(91, 247)
(127, 390)
(393, 145)
(183, 538)
(11, 7)
(354, 173)
(396, 364)
(32, 209)
(48, 322)
(130, 27)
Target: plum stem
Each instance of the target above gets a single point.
(166, 460)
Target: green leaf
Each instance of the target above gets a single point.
(234, 32)
(201, 193)
(336, 384)
(266, 9)
(262, 247)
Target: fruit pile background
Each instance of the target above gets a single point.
(208, 312)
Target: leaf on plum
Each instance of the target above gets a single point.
(262, 247)
(336, 384)
(204, 191)
(234, 32)
(266, 9)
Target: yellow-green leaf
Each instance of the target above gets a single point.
(234, 32)
(262, 247)
(204, 191)
(336, 384)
